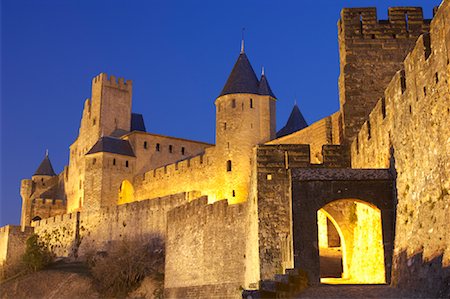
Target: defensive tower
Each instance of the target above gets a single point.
(245, 117)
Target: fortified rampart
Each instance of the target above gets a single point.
(371, 51)
(325, 131)
(13, 243)
(79, 233)
(206, 250)
(408, 129)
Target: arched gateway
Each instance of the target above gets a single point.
(370, 190)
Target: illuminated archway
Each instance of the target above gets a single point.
(359, 226)
(126, 193)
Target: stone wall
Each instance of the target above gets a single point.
(324, 131)
(408, 130)
(274, 202)
(79, 233)
(13, 243)
(206, 250)
(371, 51)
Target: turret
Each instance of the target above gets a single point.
(245, 117)
(39, 180)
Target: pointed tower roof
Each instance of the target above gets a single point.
(295, 123)
(242, 78)
(45, 168)
(264, 87)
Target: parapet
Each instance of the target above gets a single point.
(402, 22)
(111, 81)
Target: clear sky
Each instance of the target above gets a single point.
(178, 54)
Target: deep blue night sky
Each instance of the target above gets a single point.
(178, 54)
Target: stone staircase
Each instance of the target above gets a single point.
(282, 286)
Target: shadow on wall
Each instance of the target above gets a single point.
(415, 274)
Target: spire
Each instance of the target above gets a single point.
(45, 168)
(242, 41)
(295, 122)
(264, 87)
(242, 78)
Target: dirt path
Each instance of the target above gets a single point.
(357, 291)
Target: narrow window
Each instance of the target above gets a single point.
(425, 91)
(93, 161)
(406, 21)
(360, 24)
(383, 107)
(357, 144)
(234, 193)
(126, 163)
(158, 147)
(233, 103)
(369, 134)
(251, 103)
(145, 144)
(170, 149)
(182, 150)
(114, 161)
(242, 106)
(229, 165)
(269, 177)
(93, 122)
(436, 77)
(224, 126)
(410, 109)
(79, 185)
(42, 180)
(228, 145)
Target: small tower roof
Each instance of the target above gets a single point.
(45, 168)
(264, 87)
(112, 145)
(137, 122)
(295, 123)
(242, 78)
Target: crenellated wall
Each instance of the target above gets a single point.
(206, 250)
(79, 233)
(325, 131)
(408, 129)
(371, 52)
(13, 244)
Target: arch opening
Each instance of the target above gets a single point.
(126, 193)
(350, 243)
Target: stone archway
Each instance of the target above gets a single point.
(126, 193)
(313, 189)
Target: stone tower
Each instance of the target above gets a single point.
(245, 117)
(108, 112)
(371, 52)
(38, 181)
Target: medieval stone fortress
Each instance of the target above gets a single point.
(369, 183)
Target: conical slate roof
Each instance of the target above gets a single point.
(295, 123)
(45, 168)
(242, 78)
(264, 87)
(112, 145)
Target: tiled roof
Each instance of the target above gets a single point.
(137, 122)
(264, 87)
(113, 145)
(242, 78)
(295, 123)
(45, 168)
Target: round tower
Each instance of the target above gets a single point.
(245, 117)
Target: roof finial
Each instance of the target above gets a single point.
(295, 102)
(46, 153)
(262, 71)
(242, 41)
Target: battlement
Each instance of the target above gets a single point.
(402, 22)
(298, 156)
(111, 81)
